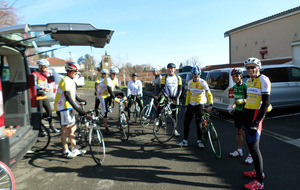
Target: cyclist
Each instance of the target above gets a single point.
(64, 105)
(135, 88)
(106, 92)
(98, 80)
(240, 95)
(156, 81)
(197, 92)
(171, 87)
(42, 77)
(258, 101)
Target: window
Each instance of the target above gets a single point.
(295, 74)
(277, 74)
(218, 80)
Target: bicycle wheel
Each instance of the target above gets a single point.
(7, 180)
(214, 140)
(82, 133)
(97, 145)
(124, 126)
(43, 139)
(137, 112)
(165, 130)
(147, 116)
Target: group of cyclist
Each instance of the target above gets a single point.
(251, 103)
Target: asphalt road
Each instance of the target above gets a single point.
(143, 163)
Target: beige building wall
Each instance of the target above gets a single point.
(276, 36)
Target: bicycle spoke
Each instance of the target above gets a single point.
(97, 145)
(164, 131)
(7, 180)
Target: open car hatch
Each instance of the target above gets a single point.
(64, 34)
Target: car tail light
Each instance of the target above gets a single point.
(230, 93)
(1, 107)
(32, 90)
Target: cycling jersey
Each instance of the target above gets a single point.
(99, 79)
(171, 84)
(239, 92)
(66, 84)
(255, 88)
(41, 81)
(102, 88)
(196, 93)
(135, 88)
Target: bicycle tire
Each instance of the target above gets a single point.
(43, 140)
(137, 112)
(97, 145)
(147, 115)
(214, 140)
(165, 130)
(7, 179)
(124, 126)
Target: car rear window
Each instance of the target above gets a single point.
(218, 80)
(277, 74)
(295, 74)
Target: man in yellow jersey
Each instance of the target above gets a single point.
(64, 105)
(98, 80)
(106, 92)
(42, 78)
(195, 99)
(258, 101)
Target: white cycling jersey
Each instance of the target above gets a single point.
(135, 88)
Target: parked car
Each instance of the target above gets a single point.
(53, 86)
(285, 83)
(19, 118)
(79, 80)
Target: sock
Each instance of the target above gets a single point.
(65, 151)
(240, 150)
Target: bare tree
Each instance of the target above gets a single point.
(193, 61)
(8, 16)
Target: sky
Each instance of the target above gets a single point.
(154, 32)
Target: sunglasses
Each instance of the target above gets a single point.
(250, 67)
(170, 68)
(235, 75)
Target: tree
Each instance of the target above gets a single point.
(8, 16)
(193, 61)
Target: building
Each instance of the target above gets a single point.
(273, 38)
(106, 62)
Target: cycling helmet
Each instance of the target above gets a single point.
(43, 62)
(71, 66)
(171, 65)
(104, 71)
(252, 60)
(196, 71)
(155, 68)
(236, 71)
(114, 69)
(134, 75)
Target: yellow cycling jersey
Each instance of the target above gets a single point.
(255, 88)
(197, 93)
(171, 84)
(66, 84)
(102, 88)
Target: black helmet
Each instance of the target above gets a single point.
(171, 65)
(236, 71)
(134, 75)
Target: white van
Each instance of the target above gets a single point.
(285, 85)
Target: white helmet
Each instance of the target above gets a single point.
(71, 66)
(43, 62)
(104, 71)
(155, 68)
(252, 60)
(114, 69)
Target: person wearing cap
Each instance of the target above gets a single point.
(107, 91)
(43, 77)
(65, 103)
(171, 87)
(104, 73)
(156, 83)
(135, 88)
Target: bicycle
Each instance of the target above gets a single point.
(123, 122)
(209, 132)
(7, 180)
(148, 114)
(95, 138)
(43, 139)
(164, 124)
(135, 108)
